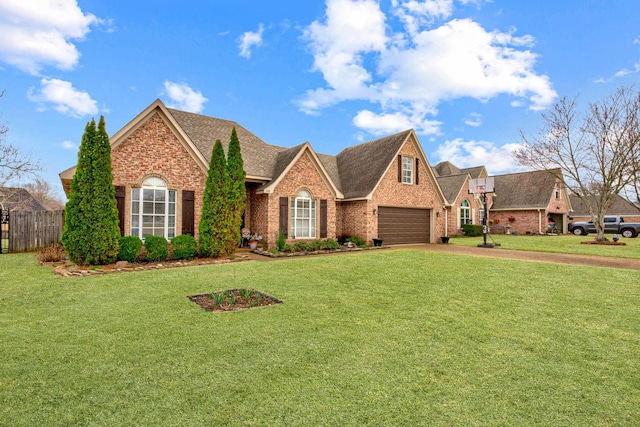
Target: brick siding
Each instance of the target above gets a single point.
(153, 150)
(390, 192)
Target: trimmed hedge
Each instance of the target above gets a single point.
(130, 249)
(472, 230)
(156, 248)
(356, 240)
(184, 247)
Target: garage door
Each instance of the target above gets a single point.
(397, 226)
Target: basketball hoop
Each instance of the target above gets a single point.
(481, 185)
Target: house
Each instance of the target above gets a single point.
(620, 207)
(524, 202)
(18, 199)
(380, 189)
(461, 207)
(529, 199)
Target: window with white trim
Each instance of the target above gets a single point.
(407, 170)
(153, 209)
(303, 216)
(465, 213)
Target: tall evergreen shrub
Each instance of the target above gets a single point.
(237, 194)
(215, 221)
(91, 234)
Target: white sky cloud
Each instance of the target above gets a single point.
(182, 97)
(473, 119)
(388, 123)
(68, 145)
(416, 68)
(64, 97)
(38, 33)
(466, 154)
(249, 40)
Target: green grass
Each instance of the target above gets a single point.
(565, 244)
(402, 337)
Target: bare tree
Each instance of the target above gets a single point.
(596, 149)
(45, 194)
(13, 163)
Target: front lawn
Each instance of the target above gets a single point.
(404, 337)
(563, 244)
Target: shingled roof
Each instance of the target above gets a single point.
(525, 190)
(19, 199)
(362, 166)
(620, 206)
(451, 185)
(474, 172)
(446, 168)
(354, 173)
(259, 157)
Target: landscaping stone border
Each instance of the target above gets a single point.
(344, 249)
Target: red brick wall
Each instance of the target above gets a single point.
(453, 224)
(526, 221)
(153, 150)
(390, 192)
(353, 219)
(303, 175)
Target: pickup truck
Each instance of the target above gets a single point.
(612, 224)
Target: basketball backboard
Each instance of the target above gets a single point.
(481, 185)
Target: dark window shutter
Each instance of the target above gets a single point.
(188, 219)
(284, 216)
(120, 202)
(323, 219)
(399, 168)
(417, 171)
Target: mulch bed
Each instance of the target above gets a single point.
(594, 242)
(236, 302)
(69, 269)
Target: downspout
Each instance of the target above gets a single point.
(539, 222)
(446, 221)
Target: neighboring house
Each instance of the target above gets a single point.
(530, 199)
(620, 207)
(383, 188)
(462, 207)
(18, 199)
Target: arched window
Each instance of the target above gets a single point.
(153, 209)
(465, 213)
(303, 216)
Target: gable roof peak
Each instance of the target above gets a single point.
(447, 168)
(362, 166)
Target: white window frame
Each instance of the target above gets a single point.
(407, 170)
(303, 216)
(153, 209)
(465, 213)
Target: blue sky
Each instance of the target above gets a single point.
(467, 75)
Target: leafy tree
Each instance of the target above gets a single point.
(237, 194)
(597, 150)
(215, 221)
(91, 233)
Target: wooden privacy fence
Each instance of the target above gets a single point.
(29, 231)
